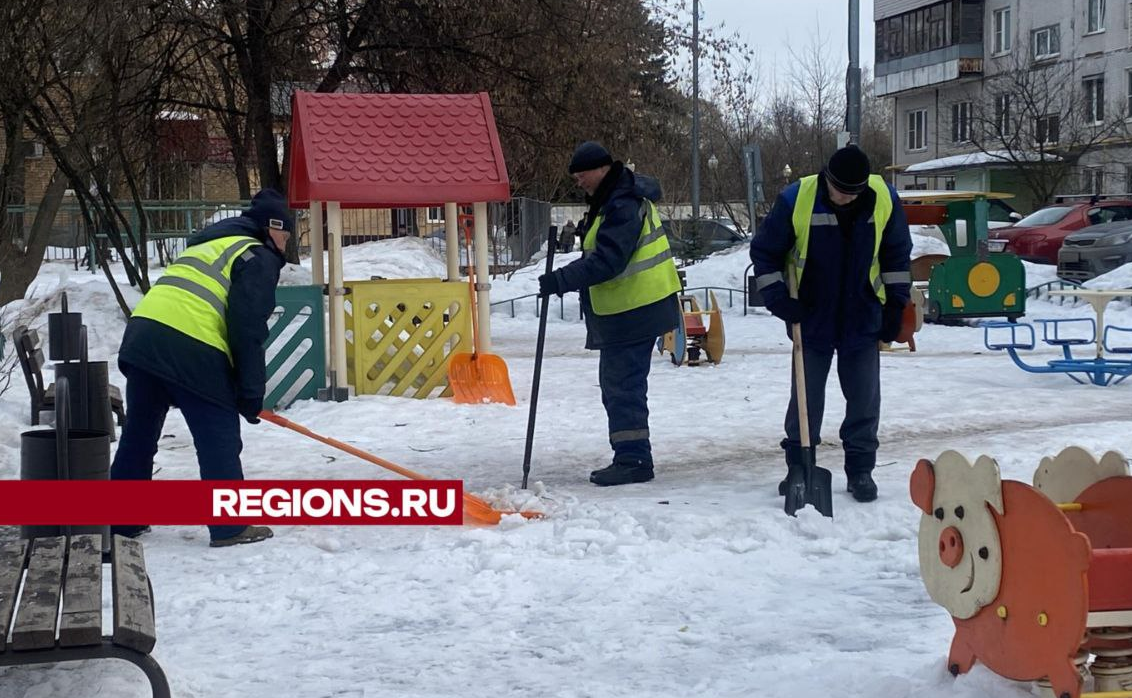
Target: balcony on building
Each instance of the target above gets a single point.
(924, 43)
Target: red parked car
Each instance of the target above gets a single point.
(1038, 236)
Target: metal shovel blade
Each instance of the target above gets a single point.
(819, 490)
(479, 378)
(809, 484)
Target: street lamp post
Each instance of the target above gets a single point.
(786, 172)
(695, 110)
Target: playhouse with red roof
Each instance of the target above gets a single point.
(376, 151)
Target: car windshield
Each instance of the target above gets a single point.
(999, 212)
(1046, 216)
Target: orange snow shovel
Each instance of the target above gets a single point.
(475, 509)
(478, 377)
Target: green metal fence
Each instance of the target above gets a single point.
(296, 346)
(169, 223)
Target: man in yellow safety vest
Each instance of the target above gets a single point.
(844, 235)
(196, 342)
(628, 285)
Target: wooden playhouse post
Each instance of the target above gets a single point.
(483, 286)
(337, 295)
(318, 276)
(452, 240)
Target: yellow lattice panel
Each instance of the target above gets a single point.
(401, 334)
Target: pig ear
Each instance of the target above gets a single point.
(988, 481)
(923, 485)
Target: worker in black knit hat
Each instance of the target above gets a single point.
(627, 283)
(196, 342)
(845, 234)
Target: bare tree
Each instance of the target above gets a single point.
(1041, 119)
(33, 32)
(817, 83)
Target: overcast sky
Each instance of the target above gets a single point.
(768, 26)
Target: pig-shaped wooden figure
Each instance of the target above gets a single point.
(1008, 566)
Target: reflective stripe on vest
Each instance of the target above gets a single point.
(192, 295)
(804, 217)
(649, 276)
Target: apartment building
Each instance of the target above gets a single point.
(984, 89)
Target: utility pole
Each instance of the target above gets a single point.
(695, 110)
(853, 75)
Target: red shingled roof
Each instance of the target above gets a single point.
(390, 150)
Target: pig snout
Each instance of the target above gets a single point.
(950, 546)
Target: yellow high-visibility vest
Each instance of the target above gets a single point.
(649, 277)
(192, 295)
(804, 217)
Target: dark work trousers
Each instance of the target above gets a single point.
(623, 373)
(215, 430)
(859, 373)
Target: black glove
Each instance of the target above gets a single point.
(891, 320)
(549, 283)
(788, 309)
(249, 408)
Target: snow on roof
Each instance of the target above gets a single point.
(1002, 158)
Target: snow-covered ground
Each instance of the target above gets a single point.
(695, 584)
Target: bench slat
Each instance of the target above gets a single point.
(12, 557)
(39, 606)
(133, 605)
(81, 622)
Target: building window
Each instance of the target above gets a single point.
(1094, 99)
(1047, 129)
(1045, 42)
(961, 122)
(1096, 16)
(1001, 42)
(1128, 97)
(435, 214)
(917, 129)
(925, 29)
(1092, 180)
(1129, 24)
(1002, 115)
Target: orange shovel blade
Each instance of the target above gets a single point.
(479, 378)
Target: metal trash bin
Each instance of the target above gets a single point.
(63, 453)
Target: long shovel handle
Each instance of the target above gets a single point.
(472, 294)
(799, 371)
(474, 507)
(340, 445)
(551, 242)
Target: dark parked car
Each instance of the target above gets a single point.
(1038, 236)
(690, 241)
(1095, 250)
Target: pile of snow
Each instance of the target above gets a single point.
(1121, 277)
(1038, 274)
(395, 258)
(926, 243)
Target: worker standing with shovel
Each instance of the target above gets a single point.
(628, 286)
(843, 234)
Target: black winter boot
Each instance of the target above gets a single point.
(793, 460)
(622, 473)
(862, 487)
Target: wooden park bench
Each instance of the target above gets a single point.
(43, 396)
(59, 616)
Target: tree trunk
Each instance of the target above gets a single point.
(19, 267)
